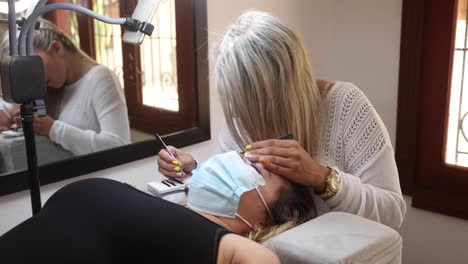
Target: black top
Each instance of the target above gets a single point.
(105, 221)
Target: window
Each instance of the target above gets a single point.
(456, 152)
(432, 102)
(158, 76)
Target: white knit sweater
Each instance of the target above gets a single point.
(92, 114)
(355, 142)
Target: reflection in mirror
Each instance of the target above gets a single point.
(88, 125)
(163, 86)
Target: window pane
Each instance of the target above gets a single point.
(74, 31)
(450, 153)
(461, 25)
(108, 38)
(74, 34)
(159, 60)
(463, 158)
(457, 134)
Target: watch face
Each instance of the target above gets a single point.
(334, 184)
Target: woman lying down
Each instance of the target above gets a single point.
(105, 221)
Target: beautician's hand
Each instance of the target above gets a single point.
(5, 122)
(42, 125)
(288, 159)
(17, 118)
(8, 119)
(171, 167)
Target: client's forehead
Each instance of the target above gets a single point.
(272, 181)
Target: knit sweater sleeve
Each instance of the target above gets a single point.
(365, 161)
(107, 99)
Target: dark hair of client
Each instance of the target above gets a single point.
(294, 206)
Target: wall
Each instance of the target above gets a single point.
(358, 41)
(432, 238)
(355, 41)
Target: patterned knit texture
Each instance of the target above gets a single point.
(91, 114)
(352, 132)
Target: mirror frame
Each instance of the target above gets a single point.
(73, 167)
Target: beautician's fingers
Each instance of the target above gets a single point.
(178, 157)
(167, 162)
(162, 165)
(288, 149)
(171, 174)
(292, 162)
(42, 125)
(289, 171)
(305, 171)
(4, 120)
(165, 165)
(272, 143)
(17, 118)
(277, 160)
(169, 166)
(179, 161)
(283, 148)
(17, 121)
(169, 170)
(165, 156)
(290, 152)
(185, 160)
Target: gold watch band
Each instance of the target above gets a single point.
(332, 185)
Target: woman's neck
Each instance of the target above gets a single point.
(325, 85)
(78, 65)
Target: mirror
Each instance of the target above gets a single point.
(165, 86)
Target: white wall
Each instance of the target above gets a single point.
(355, 41)
(432, 238)
(358, 41)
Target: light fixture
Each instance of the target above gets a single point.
(20, 6)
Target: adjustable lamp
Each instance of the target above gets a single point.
(30, 91)
(20, 6)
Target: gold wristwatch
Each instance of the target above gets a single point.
(332, 185)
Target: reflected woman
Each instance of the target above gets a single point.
(85, 101)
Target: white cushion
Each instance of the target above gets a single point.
(338, 238)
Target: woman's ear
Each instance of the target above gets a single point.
(56, 48)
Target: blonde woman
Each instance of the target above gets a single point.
(85, 102)
(340, 148)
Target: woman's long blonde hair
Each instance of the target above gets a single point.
(266, 83)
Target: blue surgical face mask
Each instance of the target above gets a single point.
(217, 185)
